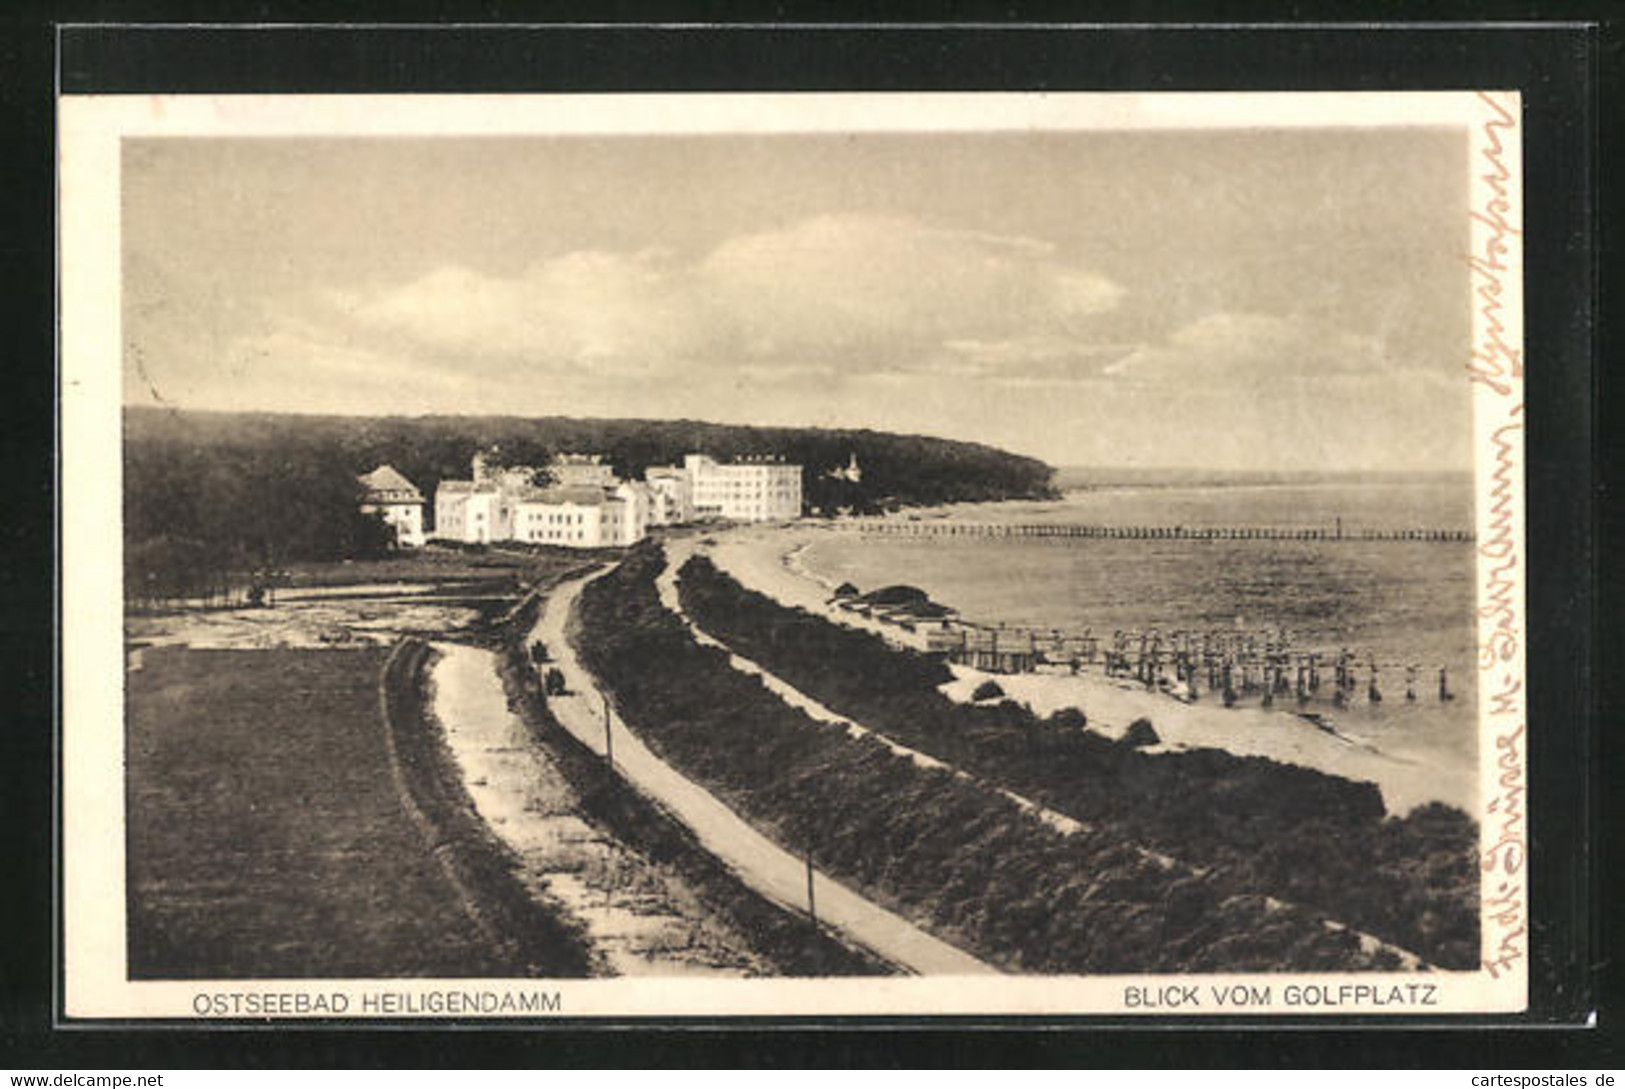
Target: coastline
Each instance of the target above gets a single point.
(769, 560)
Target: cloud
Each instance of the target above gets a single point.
(1249, 348)
(884, 290)
(834, 295)
(614, 311)
(1032, 357)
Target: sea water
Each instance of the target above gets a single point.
(1402, 603)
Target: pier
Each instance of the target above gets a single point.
(946, 528)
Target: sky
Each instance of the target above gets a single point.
(1239, 299)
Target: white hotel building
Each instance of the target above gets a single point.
(754, 490)
(575, 517)
(587, 506)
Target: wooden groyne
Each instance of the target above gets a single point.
(945, 528)
(1232, 664)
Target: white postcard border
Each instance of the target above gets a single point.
(93, 862)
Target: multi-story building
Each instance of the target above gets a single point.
(571, 517)
(639, 500)
(586, 506)
(397, 501)
(672, 495)
(503, 504)
(480, 510)
(748, 490)
(472, 512)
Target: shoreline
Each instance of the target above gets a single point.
(769, 560)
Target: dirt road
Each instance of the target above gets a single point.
(678, 552)
(637, 916)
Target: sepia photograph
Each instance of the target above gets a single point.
(889, 554)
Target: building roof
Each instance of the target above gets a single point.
(579, 495)
(654, 472)
(465, 487)
(386, 478)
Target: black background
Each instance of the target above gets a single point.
(1569, 75)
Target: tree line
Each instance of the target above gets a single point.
(209, 520)
(897, 470)
(213, 498)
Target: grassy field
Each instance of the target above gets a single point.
(266, 834)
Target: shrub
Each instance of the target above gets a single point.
(1068, 720)
(1140, 734)
(987, 690)
(897, 595)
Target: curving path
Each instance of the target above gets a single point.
(761, 863)
(666, 584)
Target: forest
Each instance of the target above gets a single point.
(209, 495)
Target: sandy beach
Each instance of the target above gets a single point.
(763, 558)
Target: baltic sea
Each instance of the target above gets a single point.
(1399, 603)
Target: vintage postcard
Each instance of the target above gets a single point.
(824, 554)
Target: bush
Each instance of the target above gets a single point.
(897, 595)
(1140, 734)
(1068, 720)
(987, 690)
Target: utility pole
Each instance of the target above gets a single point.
(812, 906)
(609, 737)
